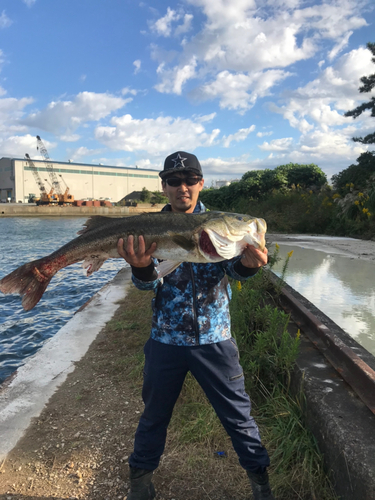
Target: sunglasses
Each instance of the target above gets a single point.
(177, 181)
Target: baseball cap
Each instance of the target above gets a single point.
(180, 162)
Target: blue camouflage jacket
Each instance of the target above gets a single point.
(191, 305)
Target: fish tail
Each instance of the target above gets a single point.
(29, 281)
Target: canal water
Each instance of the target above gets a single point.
(22, 240)
(341, 286)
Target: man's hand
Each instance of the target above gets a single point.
(141, 258)
(253, 257)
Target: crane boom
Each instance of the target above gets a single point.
(36, 175)
(55, 182)
(45, 198)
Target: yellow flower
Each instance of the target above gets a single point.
(336, 195)
(360, 195)
(277, 246)
(351, 185)
(290, 253)
(329, 204)
(298, 333)
(310, 191)
(356, 202)
(365, 210)
(369, 214)
(239, 286)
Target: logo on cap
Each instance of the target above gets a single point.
(178, 161)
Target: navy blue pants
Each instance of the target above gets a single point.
(217, 369)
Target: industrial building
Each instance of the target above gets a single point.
(85, 181)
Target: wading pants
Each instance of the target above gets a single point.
(217, 369)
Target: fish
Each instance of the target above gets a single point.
(180, 237)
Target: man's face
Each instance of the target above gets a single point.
(183, 198)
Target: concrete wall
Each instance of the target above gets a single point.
(84, 181)
(30, 210)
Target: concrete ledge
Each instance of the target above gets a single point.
(342, 424)
(25, 394)
(22, 210)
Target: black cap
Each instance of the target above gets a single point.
(180, 162)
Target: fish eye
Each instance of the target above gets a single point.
(240, 218)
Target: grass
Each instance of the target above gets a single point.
(196, 438)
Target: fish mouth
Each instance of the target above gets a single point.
(206, 246)
(215, 247)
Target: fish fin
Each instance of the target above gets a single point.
(94, 222)
(93, 263)
(28, 281)
(185, 243)
(166, 267)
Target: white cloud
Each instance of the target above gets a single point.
(173, 80)
(70, 138)
(240, 91)
(185, 26)
(81, 152)
(264, 134)
(322, 102)
(137, 66)
(155, 136)
(18, 145)
(163, 26)
(29, 3)
(340, 46)
(128, 90)
(277, 144)
(5, 21)
(63, 117)
(242, 39)
(238, 136)
(11, 113)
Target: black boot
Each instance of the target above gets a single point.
(260, 486)
(141, 487)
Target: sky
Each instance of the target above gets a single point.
(243, 84)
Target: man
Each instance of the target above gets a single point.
(191, 332)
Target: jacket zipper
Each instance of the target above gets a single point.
(196, 326)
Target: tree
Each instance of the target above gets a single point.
(356, 175)
(306, 176)
(368, 85)
(145, 195)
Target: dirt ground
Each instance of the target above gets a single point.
(79, 446)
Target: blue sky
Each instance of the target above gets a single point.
(243, 84)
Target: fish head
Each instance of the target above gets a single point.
(225, 235)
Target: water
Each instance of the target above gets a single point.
(341, 287)
(22, 240)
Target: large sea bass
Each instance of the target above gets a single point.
(205, 237)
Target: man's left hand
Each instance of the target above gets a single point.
(253, 257)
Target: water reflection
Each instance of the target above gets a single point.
(343, 288)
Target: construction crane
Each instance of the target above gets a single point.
(67, 198)
(64, 198)
(45, 198)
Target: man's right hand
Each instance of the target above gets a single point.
(141, 258)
